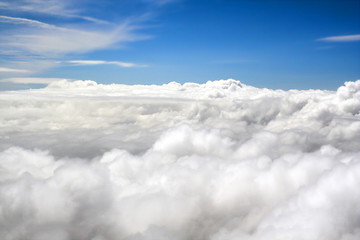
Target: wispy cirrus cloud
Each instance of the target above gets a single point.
(161, 2)
(13, 70)
(58, 36)
(101, 62)
(33, 32)
(63, 8)
(30, 22)
(48, 40)
(46, 6)
(343, 38)
(31, 80)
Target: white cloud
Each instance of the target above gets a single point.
(24, 67)
(53, 41)
(48, 7)
(13, 70)
(101, 62)
(28, 80)
(220, 160)
(344, 38)
(32, 40)
(17, 20)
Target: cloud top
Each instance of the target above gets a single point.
(221, 160)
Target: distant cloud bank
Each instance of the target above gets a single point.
(220, 161)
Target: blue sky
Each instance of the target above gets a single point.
(273, 44)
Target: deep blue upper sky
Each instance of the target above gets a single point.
(274, 44)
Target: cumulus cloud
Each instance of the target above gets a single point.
(220, 161)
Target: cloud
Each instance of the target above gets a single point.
(101, 62)
(45, 6)
(65, 8)
(344, 38)
(219, 160)
(120, 195)
(23, 68)
(17, 20)
(13, 70)
(28, 80)
(142, 113)
(161, 2)
(62, 34)
(53, 41)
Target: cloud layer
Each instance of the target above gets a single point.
(221, 160)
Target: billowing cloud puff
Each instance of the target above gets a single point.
(218, 161)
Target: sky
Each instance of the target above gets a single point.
(179, 119)
(272, 44)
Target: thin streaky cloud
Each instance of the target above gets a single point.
(161, 2)
(50, 40)
(101, 62)
(13, 70)
(18, 20)
(34, 23)
(49, 7)
(344, 38)
(31, 80)
(91, 19)
(38, 39)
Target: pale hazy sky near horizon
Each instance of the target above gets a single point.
(273, 44)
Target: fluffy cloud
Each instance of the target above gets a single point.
(220, 160)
